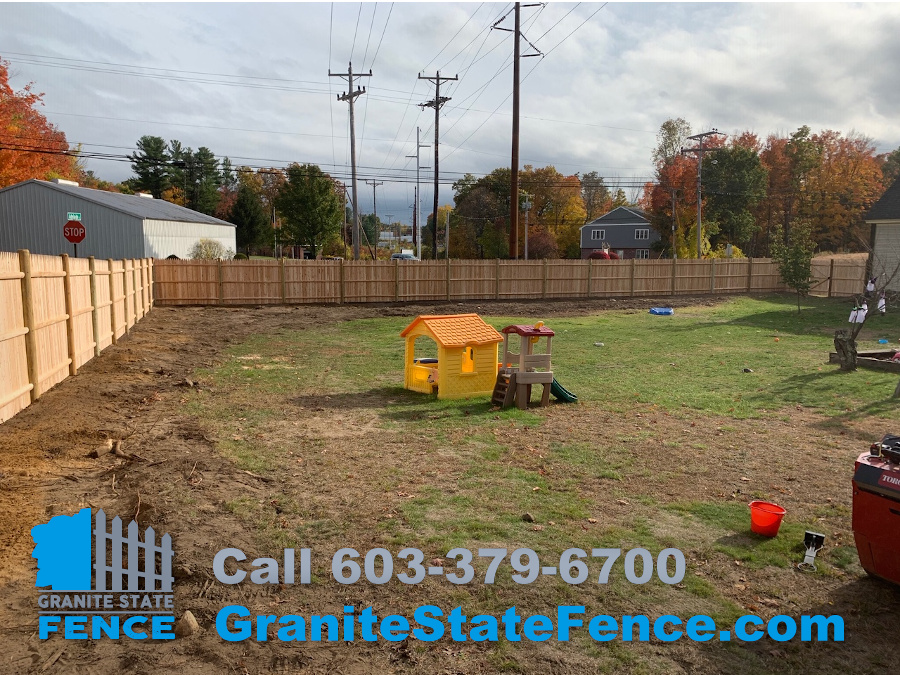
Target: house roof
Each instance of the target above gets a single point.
(456, 330)
(624, 215)
(888, 207)
(132, 205)
(528, 331)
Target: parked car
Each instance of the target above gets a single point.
(403, 256)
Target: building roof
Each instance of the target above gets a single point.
(528, 331)
(132, 205)
(624, 215)
(456, 330)
(888, 207)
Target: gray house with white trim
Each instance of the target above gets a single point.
(624, 230)
(33, 214)
(884, 219)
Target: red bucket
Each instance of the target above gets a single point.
(765, 518)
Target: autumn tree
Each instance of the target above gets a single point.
(30, 147)
(670, 139)
(840, 189)
(557, 206)
(890, 167)
(595, 195)
(310, 205)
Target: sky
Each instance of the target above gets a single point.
(251, 81)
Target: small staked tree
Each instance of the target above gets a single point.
(794, 259)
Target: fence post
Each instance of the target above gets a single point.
(544, 283)
(112, 299)
(712, 277)
(750, 275)
(396, 280)
(830, 276)
(448, 278)
(633, 265)
(590, 276)
(150, 294)
(145, 284)
(283, 284)
(341, 279)
(125, 293)
(674, 274)
(70, 319)
(220, 283)
(31, 353)
(95, 312)
(134, 287)
(497, 279)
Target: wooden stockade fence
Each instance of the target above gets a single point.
(57, 313)
(259, 282)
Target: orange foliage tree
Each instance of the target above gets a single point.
(30, 147)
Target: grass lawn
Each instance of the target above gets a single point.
(669, 441)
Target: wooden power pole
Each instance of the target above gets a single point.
(351, 96)
(375, 184)
(436, 103)
(700, 150)
(514, 168)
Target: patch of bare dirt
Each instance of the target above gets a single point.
(348, 473)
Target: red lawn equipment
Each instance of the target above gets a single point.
(876, 509)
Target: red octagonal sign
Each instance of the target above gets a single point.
(74, 231)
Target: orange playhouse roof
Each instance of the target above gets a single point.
(457, 330)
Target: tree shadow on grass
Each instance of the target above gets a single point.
(398, 404)
(799, 388)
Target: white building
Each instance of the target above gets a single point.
(34, 213)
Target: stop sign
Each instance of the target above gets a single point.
(74, 231)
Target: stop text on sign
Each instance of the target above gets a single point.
(74, 231)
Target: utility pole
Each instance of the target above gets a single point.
(674, 221)
(351, 96)
(390, 217)
(700, 150)
(374, 184)
(436, 103)
(514, 168)
(417, 213)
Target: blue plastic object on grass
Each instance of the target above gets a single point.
(663, 311)
(882, 341)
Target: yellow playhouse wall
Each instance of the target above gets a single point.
(453, 383)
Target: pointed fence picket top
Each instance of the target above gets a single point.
(152, 581)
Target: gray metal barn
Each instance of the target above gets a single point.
(33, 214)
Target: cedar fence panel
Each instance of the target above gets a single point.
(192, 282)
(15, 384)
(318, 281)
(56, 315)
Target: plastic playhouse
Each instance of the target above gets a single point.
(520, 371)
(466, 364)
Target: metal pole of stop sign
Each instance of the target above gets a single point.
(76, 249)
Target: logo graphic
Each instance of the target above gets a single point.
(89, 575)
(63, 551)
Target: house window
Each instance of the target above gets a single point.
(642, 233)
(597, 235)
(468, 360)
(642, 254)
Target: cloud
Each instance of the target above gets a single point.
(594, 102)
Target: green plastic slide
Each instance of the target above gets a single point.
(561, 393)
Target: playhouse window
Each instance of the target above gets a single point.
(468, 360)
